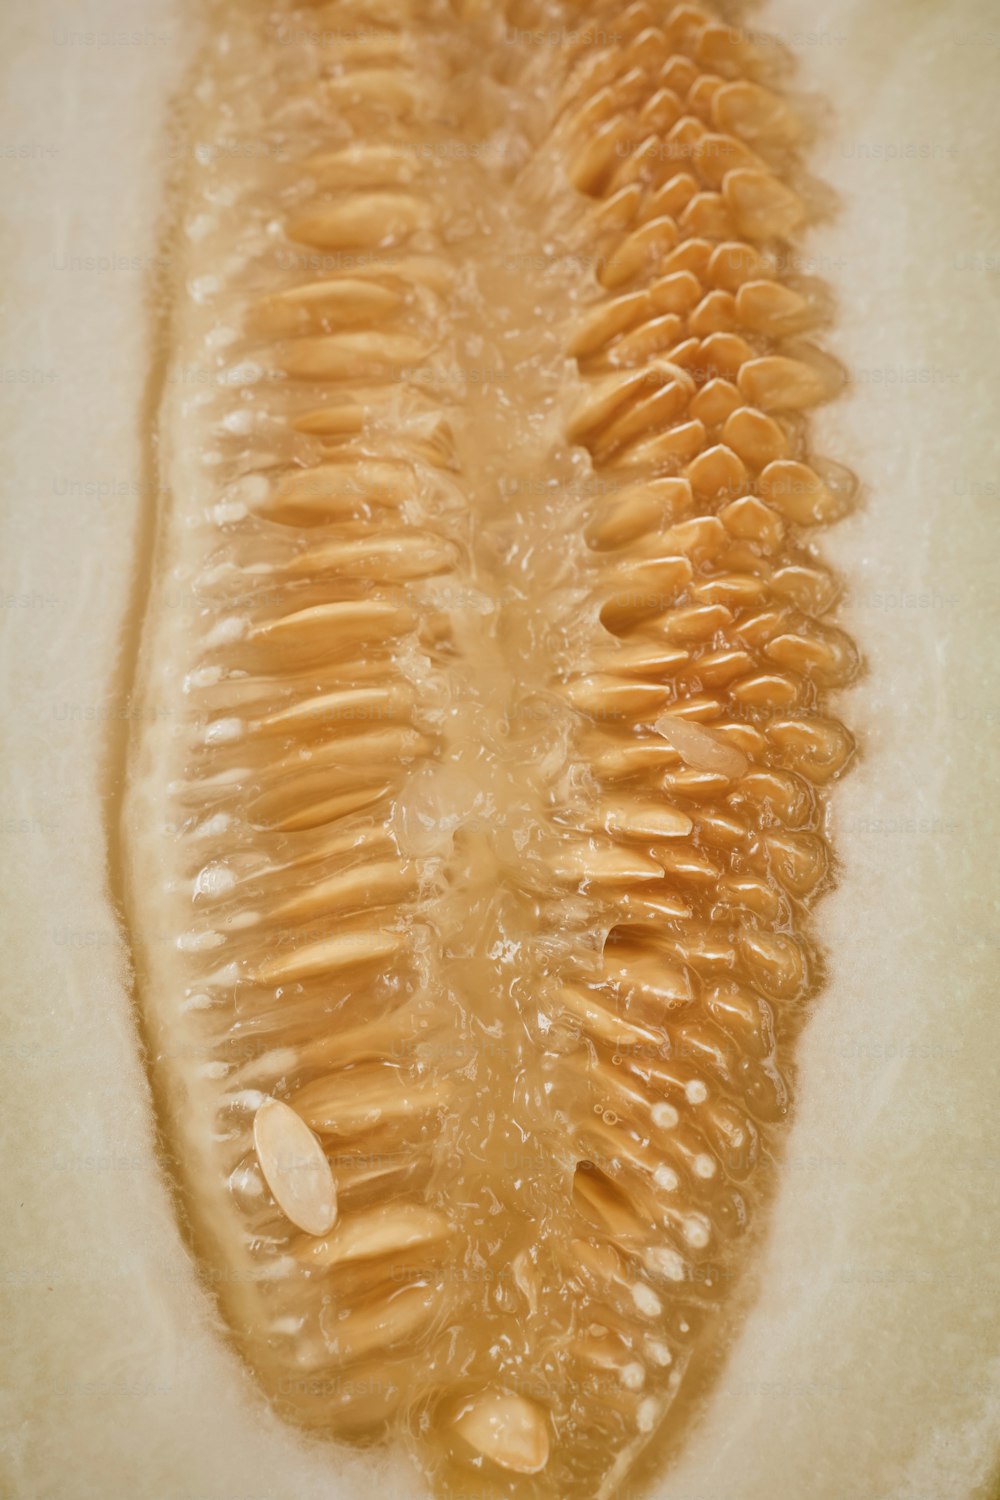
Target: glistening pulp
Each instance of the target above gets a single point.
(480, 798)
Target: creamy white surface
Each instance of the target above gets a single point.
(868, 1367)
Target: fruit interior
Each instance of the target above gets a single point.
(477, 797)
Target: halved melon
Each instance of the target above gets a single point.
(477, 768)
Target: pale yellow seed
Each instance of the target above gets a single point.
(799, 493)
(605, 397)
(601, 865)
(387, 555)
(351, 1103)
(677, 292)
(754, 113)
(768, 307)
(381, 1325)
(385, 1230)
(702, 749)
(334, 626)
(778, 383)
(366, 885)
(635, 511)
(640, 251)
(608, 319)
(317, 304)
(762, 206)
(332, 491)
(653, 820)
(329, 956)
(756, 437)
(356, 357)
(345, 706)
(295, 1168)
(603, 696)
(596, 1021)
(607, 145)
(507, 1429)
(376, 220)
(749, 519)
(717, 473)
(384, 90)
(364, 166)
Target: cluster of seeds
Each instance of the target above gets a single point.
(473, 1041)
